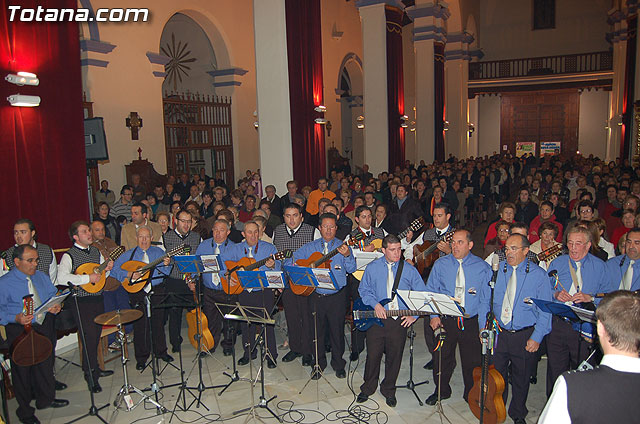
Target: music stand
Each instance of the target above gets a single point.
(257, 316)
(437, 304)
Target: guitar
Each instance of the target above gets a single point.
(415, 225)
(494, 409)
(364, 316)
(318, 260)
(551, 253)
(145, 269)
(231, 282)
(425, 254)
(193, 316)
(30, 347)
(91, 268)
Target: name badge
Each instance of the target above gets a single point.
(528, 301)
(472, 291)
(338, 267)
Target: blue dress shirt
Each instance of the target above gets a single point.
(261, 251)
(136, 254)
(617, 267)
(477, 274)
(373, 287)
(530, 285)
(593, 272)
(208, 247)
(340, 265)
(14, 286)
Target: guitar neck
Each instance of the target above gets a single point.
(389, 313)
(326, 257)
(258, 264)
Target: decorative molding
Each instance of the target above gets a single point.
(437, 10)
(476, 53)
(614, 16)
(460, 37)
(228, 71)
(157, 59)
(226, 83)
(159, 74)
(93, 62)
(96, 46)
(394, 3)
(430, 32)
(457, 54)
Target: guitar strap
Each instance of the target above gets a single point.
(396, 282)
(133, 252)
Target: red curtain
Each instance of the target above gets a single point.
(438, 87)
(304, 50)
(42, 161)
(629, 87)
(395, 87)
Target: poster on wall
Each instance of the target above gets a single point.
(525, 147)
(549, 148)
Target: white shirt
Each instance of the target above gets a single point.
(408, 247)
(556, 410)
(607, 247)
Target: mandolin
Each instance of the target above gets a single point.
(145, 269)
(231, 282)
(30, 347)
(551, 253)
(91, 268)
(195, 315)
(425, 254)
(494, 409)
(318, 260)
(364, 316)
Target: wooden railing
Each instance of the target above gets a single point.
(536, 66)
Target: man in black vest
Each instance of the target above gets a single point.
(607, 393)
(24, 232)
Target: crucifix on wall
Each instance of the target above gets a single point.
(134, 123)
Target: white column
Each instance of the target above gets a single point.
(272, 92)
(376, 120)
(425, 101)
(617, 94)
(456, 107)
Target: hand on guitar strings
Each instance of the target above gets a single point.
(444, 247)
(380, 311)
(94, 278)
(344, 250)
(109, 267)
(270, 263)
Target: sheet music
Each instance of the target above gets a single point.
(324, 278)
(275, 279)
(436, 303)
(584, 314)
(364, 258)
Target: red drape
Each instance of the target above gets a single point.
(629, 87)
(395, 87)
(438, 87)
(304, 50)
(42, 161)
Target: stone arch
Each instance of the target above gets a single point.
(350, 89)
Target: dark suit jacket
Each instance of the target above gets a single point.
(276, 205)
(400, 218)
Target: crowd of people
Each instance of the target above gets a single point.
(571, 236)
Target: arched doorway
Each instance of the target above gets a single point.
(351, 107)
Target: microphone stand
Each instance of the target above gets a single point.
(487, 338)
(93, 410)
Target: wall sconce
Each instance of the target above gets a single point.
(445, 125)
(404, 119)
(23, 78)
(360, 122)
(320, 121)
(255, 125)
(20, 100)
(471, 129)
(320, 109)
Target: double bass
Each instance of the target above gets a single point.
(30, 348)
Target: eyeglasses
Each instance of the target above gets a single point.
(185, 220)
(31, 260)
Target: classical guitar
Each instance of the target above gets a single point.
(551, 253)
(134, 286)
(91, 268)
(494, 409)
(425, 254)
(231, 282)
(198, 323)
(415, 225)
(364, 316)
(30, 347)
(318, 260)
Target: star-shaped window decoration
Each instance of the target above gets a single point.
(177, 66)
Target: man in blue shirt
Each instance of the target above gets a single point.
(36, 380)
(330, 306)
(461, 275)
(219, 244)
(522, 323)
(580, 277)
(253, 247)
(146, 253)
(376, 286)
(624, 270)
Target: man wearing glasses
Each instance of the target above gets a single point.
(580, 276)
(522, 324)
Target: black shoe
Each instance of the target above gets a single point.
(428, 365)
(140, 366)
(433, 399)
(56, 403)
(95, 387)
(175, 349)
(166, 357)
(60, 386)
(519, 421)
(291, 356)
(271, 363)
(533, 379)
(362, 398)
(392, 402)
(31, 420)
(227, 351)
(307, 360)
(104, 373)
(341, 373)
(315, 375)
(243, 361)
(354, 356)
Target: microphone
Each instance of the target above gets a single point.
(495, 265)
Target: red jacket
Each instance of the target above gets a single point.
(535, 226)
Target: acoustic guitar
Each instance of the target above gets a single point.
(134, 286)
(231, 282)
(30, 347)
(494, 409)
(425, 254)
(198, 331)
(318, 260)
(91, 268)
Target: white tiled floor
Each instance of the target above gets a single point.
(285, 382)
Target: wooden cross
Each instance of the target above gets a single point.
(134, 122)
(139, 153)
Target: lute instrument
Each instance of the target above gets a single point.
(30, 347)
(425, 254)
(134, 286)
(198, 331)
(92, 268)
(231, 283)
(318, 260)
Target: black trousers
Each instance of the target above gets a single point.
(89, 307)
(35, 380)
(177, 293)
(223, 330)
(263, 299)
(566, 349)
(470, 352)
(299, 323)
(389, 340)
(510, 350)
(141, 334)
(330, 311)
(357, 337)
